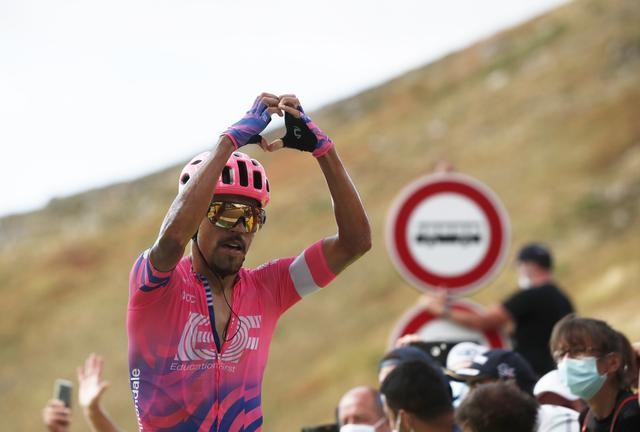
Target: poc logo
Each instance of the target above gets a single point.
(189, 298)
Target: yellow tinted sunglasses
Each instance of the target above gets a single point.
(227, 215)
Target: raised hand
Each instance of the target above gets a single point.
(56, 417)
(90, 383)
(434, 302)
(408, 339)
(301, 132)
(247, 130)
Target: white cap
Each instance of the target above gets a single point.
(461, 355)
(551, 383)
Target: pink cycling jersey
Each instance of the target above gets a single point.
(179, 379)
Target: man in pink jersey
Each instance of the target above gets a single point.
(199, 327)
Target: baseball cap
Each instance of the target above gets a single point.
(551, 383)
(462, 354)
(406, 354)
(536, 253)
(499, 364)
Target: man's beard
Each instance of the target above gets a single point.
(225, 266)
(219, 261)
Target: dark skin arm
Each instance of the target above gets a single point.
(190, 207)
(354, 232)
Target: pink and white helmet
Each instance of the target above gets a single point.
(241, 175)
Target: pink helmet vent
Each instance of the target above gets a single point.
(241, 175)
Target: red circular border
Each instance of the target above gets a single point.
(494, 337)
(496, 227)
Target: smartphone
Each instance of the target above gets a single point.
(62, 390)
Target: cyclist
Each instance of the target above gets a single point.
(199, 327)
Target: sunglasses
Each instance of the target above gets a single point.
(575, 352)
(227, 215)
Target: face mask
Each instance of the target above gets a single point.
(362, 427)
(581, 376)
(524, 282)
(357, 428)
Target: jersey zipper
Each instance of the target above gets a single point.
(219, 343)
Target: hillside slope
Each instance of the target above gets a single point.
(547, 114)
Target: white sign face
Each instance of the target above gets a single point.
(448, 234)
(419, 321)
(447, 231)
(439, 329)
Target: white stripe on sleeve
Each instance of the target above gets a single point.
(301, 276)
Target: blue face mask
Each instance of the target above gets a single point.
(581, 376)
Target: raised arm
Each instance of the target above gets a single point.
(354, 233)
(90, 389)
(191, 204)
(494, 317)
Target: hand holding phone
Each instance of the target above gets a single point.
(63, 390)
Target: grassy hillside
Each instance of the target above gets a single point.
(547, 114)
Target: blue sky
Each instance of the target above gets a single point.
(94, 92)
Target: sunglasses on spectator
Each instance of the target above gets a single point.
(226, 215)
(577, 352)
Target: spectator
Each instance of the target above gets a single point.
(597, 363)
(56, 416)
(91, 387)
(533, 310)
(401, 355)
(360, 410)
(460, 356)
(504, 365)
(498, 407)
(497, 365)
(417, 398)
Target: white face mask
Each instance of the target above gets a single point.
(363, 427)
(524, 282)
(357, 428)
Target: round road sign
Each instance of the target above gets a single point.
(442, 334)
(447, 231)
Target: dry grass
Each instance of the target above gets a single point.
(547, 114)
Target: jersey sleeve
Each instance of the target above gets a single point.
(146, 283)
(290, 279)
